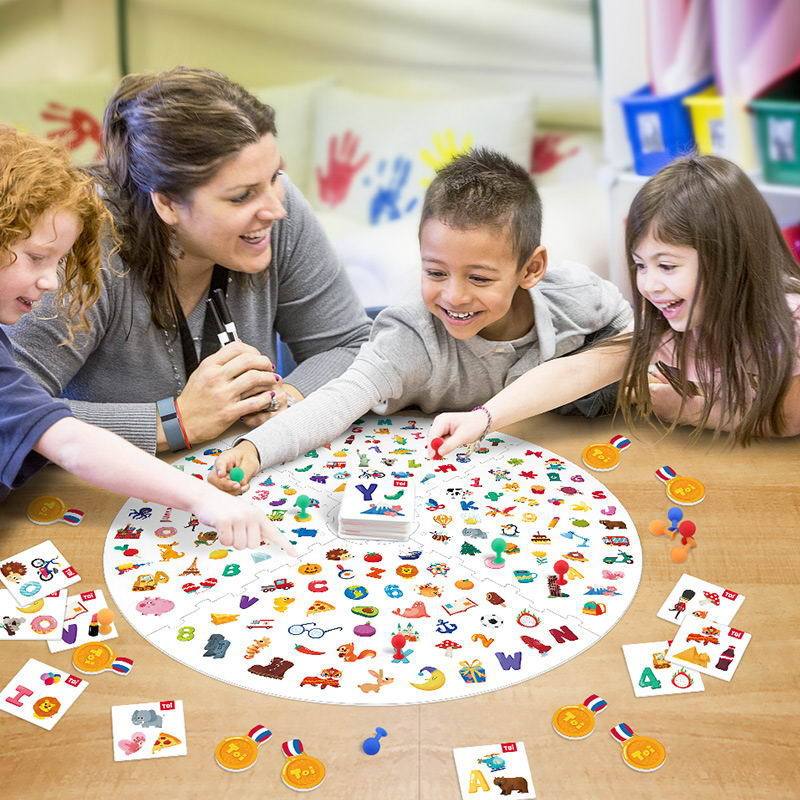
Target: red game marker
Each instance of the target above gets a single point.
(436, 444)
(561, 568)
(398, 641)
(686, 530)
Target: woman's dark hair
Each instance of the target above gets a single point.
(169, 132)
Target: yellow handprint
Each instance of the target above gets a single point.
(445, 150)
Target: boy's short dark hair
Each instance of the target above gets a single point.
(484, 187)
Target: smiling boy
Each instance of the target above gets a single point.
(490, 310)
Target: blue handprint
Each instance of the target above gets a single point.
(386, 200)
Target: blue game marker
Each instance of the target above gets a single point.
(675, 515)
(372, 745)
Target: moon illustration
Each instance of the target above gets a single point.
(435, 680)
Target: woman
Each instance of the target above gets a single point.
(194, 178)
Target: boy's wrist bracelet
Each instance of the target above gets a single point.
(170, 421)
(488, 420)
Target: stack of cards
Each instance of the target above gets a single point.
(704, 642)
(494, 770)
(380, 506)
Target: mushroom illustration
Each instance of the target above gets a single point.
(449, 645)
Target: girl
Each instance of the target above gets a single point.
(716, 336)
(51, 223)
(194, 177)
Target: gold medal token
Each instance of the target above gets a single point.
(46, 510)
(236, 753)
(573, 722)
(601, 457)
(92, 657)
(686, 491)
(303, 772)
(643, 753)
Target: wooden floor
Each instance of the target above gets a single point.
(735, 740)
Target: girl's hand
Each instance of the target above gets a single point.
(666, 401)
(239, 523)
(457, 429)
(244, 456)
(235, 382)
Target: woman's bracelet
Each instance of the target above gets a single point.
(172, 424)
(488, 420)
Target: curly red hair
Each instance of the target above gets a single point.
(36, 176)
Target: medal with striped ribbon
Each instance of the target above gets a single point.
(577, 722)
(603, 457)
(301, 771)
(238, 753)
(680, 488)
(642, 753)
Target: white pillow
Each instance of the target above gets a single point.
(70, 112)
(294, 118)
(374, 156)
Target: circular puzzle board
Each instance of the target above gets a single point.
(319, 627)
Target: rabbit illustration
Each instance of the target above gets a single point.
(375, 687)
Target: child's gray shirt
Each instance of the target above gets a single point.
(411, 361)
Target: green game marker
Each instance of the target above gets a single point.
(499, 546)
(302, 503)
(236, 474)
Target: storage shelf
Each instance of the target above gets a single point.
(788, 190)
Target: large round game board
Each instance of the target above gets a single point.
(319, 627)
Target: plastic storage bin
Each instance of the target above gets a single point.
(659, 128)
(777, 115)
(707, 110)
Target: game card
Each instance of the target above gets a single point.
(148, 730)
(87, 619)
(711, 648)
(652, 674)
(494, 770)
(41, 619)
(37, 572)
(701, 599)
(41, 694)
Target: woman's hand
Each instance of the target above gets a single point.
(280, 403)
(457, 429)
(235, 382)
(239, 523)
(245, 456)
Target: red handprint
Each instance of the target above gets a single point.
(545, 154)
(79, 127)
(342, 167)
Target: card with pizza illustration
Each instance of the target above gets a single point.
(87, 619)
(148, 730)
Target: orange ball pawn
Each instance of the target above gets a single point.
(105, 617)
(658, 527)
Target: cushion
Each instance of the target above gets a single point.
(374, 156)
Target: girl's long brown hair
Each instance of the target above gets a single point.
(743, 346)
(37, 176)
(169, 132)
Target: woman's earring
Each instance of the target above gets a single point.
(176, 252)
